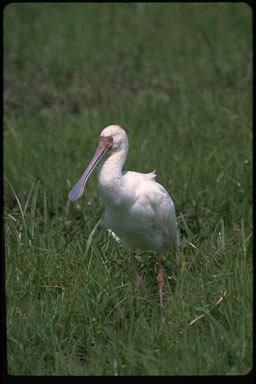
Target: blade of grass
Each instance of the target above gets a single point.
(218, 236)
(221, 236)
(185, 225)
(45, 213)
(90, 238)
(33, 210)
(22, 215)
(209, 310)
(29, 195)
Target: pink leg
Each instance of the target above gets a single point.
(136, 274)
(160, 278)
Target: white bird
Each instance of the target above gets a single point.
(137, 208)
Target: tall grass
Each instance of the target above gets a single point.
(177, 77)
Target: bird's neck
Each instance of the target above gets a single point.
(110, 171)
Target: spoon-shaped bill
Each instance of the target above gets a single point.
(78, 189)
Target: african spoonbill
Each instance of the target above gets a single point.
(137, 208)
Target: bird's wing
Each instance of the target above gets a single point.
(164, 218)
(152, 201)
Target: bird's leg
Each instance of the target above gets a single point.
(136, 274)
(160, 278)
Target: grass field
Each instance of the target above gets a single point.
(178, 78)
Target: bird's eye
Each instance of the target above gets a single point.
(108, 142)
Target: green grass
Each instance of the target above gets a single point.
(178, 78)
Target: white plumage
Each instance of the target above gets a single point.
(137, 208)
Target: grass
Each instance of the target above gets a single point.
(177, 77)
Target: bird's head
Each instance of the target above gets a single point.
(112, 139)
